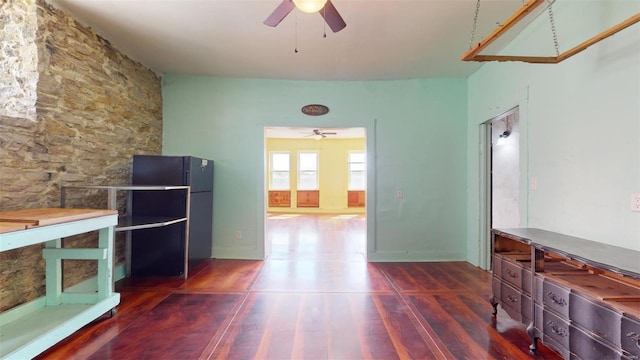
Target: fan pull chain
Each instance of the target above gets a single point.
(324, 23)
(295, 50)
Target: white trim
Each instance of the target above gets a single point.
(369, 126)
(484, 203)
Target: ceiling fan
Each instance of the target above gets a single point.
(319, 134)
(324, 7)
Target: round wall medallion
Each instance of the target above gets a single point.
(314, 109)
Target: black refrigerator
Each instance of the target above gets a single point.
(161, 251)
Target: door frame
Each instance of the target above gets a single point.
(485, 209)
(369, 126)
(485, 243)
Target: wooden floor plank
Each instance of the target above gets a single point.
(509, 330)
(456, 339)
(321, 276)
(133, 306)
(408, 343)
(224, 275)
(174, 329)
(315, 297)
(418, 277)
(490, 340)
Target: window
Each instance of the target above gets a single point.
(308, 171)
(357, 170)
(279, 171)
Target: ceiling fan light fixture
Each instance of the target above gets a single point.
(310, 6)
(325, 8)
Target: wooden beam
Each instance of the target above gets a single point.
(472, 54)
(501, 30)
(528, 59)
(603, 35)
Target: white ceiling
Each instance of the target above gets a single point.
(383, 40)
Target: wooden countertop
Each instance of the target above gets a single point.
(7, 226)
(15, 220)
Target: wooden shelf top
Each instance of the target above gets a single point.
(8, 226)
(21, 219)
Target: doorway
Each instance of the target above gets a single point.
(500, 180)
(312, 176)
(505, 170)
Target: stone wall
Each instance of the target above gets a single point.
(95, 108)
(18, 59)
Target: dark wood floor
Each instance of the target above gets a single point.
(315, 297)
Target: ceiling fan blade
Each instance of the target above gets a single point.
(280, 13)
(332, 17)
(330, 133)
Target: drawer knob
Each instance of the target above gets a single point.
(556, 299)
(512, 274)
(635, 337)
(512, 298)
(557, 329)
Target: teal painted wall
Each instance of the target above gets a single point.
(416, 141)
(580, 125)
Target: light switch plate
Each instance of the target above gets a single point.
(635, 202)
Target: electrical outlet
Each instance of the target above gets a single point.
(399, 194)
(635, 202)
(534, 184)
(238, 235)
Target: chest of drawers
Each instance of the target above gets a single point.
(579, 297)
